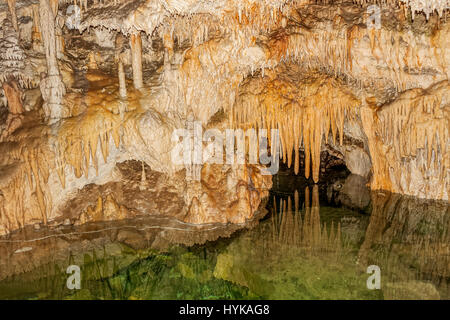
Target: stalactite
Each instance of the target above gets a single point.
(136, 59)
(80, 142)
(52, 87)
(54, 5)
(122, 81)
(319, 107)
(12, 11)
(119, 58)
(36, 36)
(59, 25)
(48, 32)
(92, 63)
(76, 147)
(414, 130)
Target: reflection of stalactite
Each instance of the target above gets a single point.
(288, 228)
(194, 154)
(406, 231)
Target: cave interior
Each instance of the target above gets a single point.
(347, 98)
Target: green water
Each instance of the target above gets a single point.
(314, 242)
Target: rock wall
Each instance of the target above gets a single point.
(329, 75)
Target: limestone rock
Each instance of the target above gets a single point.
(117, 82)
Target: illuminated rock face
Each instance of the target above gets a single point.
(50, 170)
(112, 96)
(409, 142)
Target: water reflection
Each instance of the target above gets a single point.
(314, 242)
(408, 238)
(146, 258)
(290, 230)
(29, 249)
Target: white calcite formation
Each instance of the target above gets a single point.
(13, 58)
(52, 87)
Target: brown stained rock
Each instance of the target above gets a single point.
(165, 196)
(13, 95)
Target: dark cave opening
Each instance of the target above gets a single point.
(337, 186)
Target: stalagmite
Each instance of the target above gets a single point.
(52, 87)
(59, 25)
(119, 44)
(136, 59)
(122, 81)
(142, 185)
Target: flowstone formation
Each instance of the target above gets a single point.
(94, 90)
